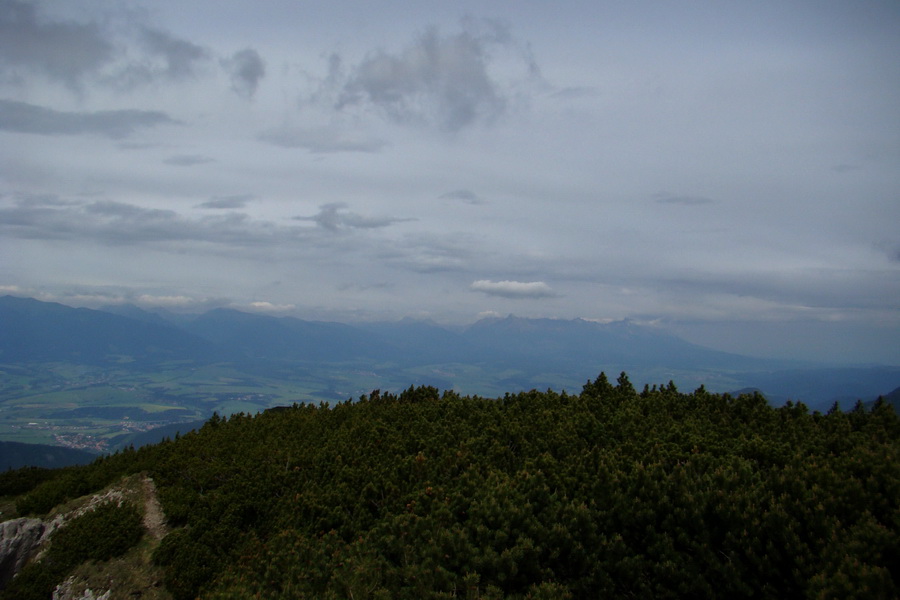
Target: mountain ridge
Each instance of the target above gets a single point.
(241, 334)
(530, 352)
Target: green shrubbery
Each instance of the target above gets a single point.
(49, 488)
(606, 493)
(609, 493)
(20, 481)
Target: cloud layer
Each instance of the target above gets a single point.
(21, 117)
(335, 217)
(62, 50)
(246, 69)
(513, 289)
(439, 78)
(685, 165)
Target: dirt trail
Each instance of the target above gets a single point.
(154, 519)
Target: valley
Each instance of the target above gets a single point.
(98, 381)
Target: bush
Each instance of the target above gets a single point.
(105, 532)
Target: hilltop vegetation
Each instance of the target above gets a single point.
(608, 493)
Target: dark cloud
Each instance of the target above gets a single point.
(163, 57)
(29, 118)
(843, 168)
(120, 224)
(667, 198)
(180, 56)
(67, 51)
(188, 160)
(246, 69)
(441, 79)
(233, 234)
(64, 51)
(227, 202)
(467, 196)
(333, 217)
(514, 289)
(109, 208)
(322, 140)
(36, 199)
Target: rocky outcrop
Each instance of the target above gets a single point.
(65, 591)
(19, 541)
(26, 540)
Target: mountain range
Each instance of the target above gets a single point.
(529, 352)
(42, 331)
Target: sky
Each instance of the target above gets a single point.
(727, 171)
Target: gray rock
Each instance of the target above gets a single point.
(19, 541)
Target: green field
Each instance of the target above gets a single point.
(87, 407)
(96, 408)
(91, 407)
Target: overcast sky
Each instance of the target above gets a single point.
(725, 170)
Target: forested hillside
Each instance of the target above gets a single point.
(14, 456)
(610, 493)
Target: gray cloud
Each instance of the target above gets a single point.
(431, 253)
(116, 223)
(809, 291)
(64, 51)
(188, 160)
(246, 69)
(513, 289)
(81, 225)
(322, 140)
(467, 196)
(109, 208)
(439, 78)
(164, 57)
(809, 104)
(37, 199)
(227, 202)
(667, 198)
(180, 56)
(333, 217)
(29, 118)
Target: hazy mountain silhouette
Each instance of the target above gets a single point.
(44, 331)
(34, 331)
(581, 343)
(283, 338)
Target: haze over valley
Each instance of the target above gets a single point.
(99, 380)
